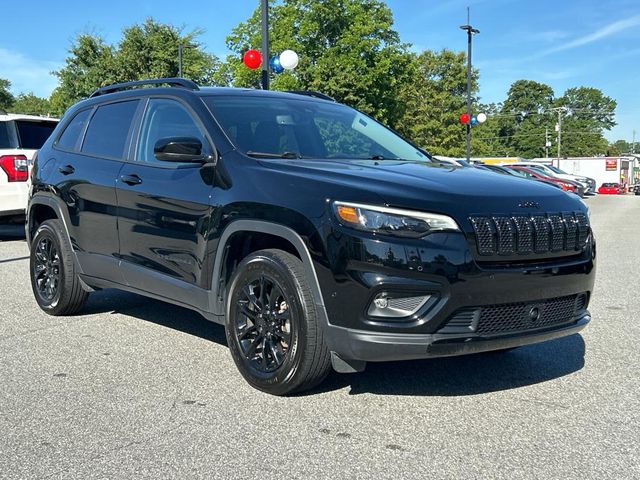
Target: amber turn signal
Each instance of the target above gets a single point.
(348, 214)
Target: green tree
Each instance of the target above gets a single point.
(526, 115)
(6, 98)
(433, 98)
(587, 114)
(30, 104)
(149, 50)
(348, 49)
(620, 147)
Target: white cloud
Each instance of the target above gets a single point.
(604, 32)
(28, 74)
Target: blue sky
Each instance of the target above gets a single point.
(563, 43)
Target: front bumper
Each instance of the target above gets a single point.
(369, 346)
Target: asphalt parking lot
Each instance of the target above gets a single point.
(134, 388)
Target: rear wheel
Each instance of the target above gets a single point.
(55, 284)
(272, 325)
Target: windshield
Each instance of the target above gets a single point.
(556, 170)
(281, 127)
(517, 173)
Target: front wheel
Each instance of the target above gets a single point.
(272, 325)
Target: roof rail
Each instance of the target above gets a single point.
(311, 93)
(172, 82)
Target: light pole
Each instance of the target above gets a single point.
(180, 47)
(264, 77)
(470, 33)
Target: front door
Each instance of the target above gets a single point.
(164, 208)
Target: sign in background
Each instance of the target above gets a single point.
(612, 165)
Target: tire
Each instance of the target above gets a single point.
(272, 325)
(52, 258)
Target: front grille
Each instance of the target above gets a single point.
(516, 317)
(528, 234)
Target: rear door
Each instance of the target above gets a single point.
(89, 156)
(164, 208)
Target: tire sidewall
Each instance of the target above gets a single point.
(284, 378)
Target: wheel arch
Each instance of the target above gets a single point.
(44, 207)
(289, 240)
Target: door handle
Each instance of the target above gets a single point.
(67, 170)
(131, 179)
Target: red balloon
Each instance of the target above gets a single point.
(464, 118)
(252, 59)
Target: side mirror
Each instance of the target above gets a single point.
(179, 149)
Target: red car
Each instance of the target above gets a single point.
(530, 172)
(611, 189)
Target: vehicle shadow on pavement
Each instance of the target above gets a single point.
(469, 374)
(154, 311)
(452, 376)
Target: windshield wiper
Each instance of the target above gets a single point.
(286, 155)
(382, 157)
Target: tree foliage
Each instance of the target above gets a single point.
(348, 49)
(31, 104)
(149, 50)
(433, 100)
(6, 98)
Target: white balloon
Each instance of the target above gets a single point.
(289, 59)
(482, 117)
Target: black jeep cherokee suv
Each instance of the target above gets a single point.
(317, 236)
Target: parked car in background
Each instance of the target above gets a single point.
(588, 184)
(501, 169)
(566, 185)
(636, 190)
(611, 189)
(20, 137)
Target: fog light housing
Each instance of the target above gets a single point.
(392, 305)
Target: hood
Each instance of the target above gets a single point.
(454, 191)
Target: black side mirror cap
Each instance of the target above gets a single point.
(180, 149)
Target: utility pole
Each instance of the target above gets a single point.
(180, 60)
(547, 144)
(470, 33)
(264, 79)
(559, 110)
(633, 144)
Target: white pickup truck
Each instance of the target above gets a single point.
(20, 137)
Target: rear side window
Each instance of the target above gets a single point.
(34, 134)
(70, 138)
(108, 130)
(7, 139)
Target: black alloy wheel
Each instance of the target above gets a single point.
(46, 269)
(55, 284)
(263, 324)
(273, 328)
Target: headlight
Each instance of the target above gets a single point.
(392, 221)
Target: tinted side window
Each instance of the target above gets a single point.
(6, 137)
(166, 118)
(34, 134)
(108, 129)
(70, 138)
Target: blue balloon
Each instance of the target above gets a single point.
(274, 64)
(474, 120)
